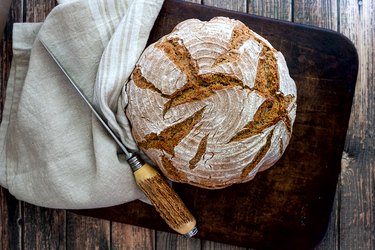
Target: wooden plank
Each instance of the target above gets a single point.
(219, 246)
(357, 222)
(321, 13)
(125, 236)
(169, 241)
(43, 228)
(353, 216)
(10, 221)
(10, 208)
(194, 1)
(37, 10)
(87, 232)
(15, 15)
(237, 5)
(331, 238)
(4, 10)
(279, 9)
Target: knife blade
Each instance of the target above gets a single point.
(165, 200)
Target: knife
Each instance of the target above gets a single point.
(170, 207)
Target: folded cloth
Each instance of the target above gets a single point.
(54, 153)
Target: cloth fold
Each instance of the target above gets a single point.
(54, 153)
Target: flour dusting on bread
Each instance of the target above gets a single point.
(212, 103)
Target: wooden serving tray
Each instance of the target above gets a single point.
(289, 205)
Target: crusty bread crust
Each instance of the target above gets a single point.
(212, 103)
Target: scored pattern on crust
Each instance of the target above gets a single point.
(198, 87)
(198, 116)
(171, 136)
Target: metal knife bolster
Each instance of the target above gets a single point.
(135, 162)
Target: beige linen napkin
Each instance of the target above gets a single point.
(54, 153)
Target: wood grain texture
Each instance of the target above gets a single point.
(15, 15)
(331, 239)
(321, 13)
(357, 186)
(312, 13)
(210, 245)
(124, 236)
(279, 9)
(10, 208)
(237, 5)
(10, 221)
(194, 1)
(37, 10)
(43, 228)
(170, 241)
(87, 233)
(352, 220)
(4, 10)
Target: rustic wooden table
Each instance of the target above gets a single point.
(352, 226)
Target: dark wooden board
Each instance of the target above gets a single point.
(289, 205)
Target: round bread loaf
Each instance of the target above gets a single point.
(211, 103)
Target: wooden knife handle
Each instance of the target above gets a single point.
(170, 207)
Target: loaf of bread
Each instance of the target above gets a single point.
(211, 103)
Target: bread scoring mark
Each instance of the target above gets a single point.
(240, 34)
(267, 79)
(172, 171)
(263, 117)
(200, 152)
(141, 82)
(275, 106)
(198, 87)
(170, 137)
(259, 156)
